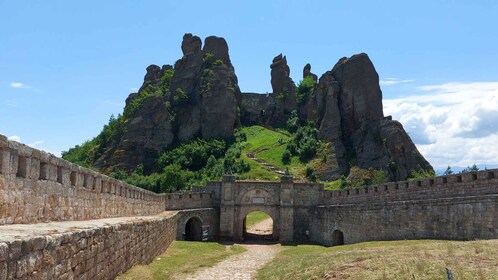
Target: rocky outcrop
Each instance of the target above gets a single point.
(199, 100)
(200, 97)
(280, 76)
(307, 72)
(191, 44)
(347, 108)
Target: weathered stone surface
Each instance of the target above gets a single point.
(280, 76)
(360, 97)
(203, 99)
(307, 72)
(218, 47)
(98, 249)
(191, 44)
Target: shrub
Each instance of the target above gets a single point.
(293, 122)
(304, 89)
(286, 157)
(310, 173)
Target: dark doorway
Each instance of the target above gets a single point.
(193, 229)
(337, 238)
(258, 225)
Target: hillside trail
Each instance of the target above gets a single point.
(240, 266)
(263, 162)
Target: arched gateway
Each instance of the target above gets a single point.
(240, 198)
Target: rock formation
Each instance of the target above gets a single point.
(200, 97)
(307, 72)
(199, 100)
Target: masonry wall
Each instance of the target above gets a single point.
(460, 218)
(190, 200)
(38, 187)
(98, 253)
(458, 185)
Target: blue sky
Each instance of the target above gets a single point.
(66, 66)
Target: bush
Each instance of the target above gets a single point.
(310, 173)
(304, 89)
(193, 155)
(286, 157)
(293, 122)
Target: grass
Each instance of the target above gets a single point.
(256, 217)
(417, 259)
(182, 257)
(269, 146)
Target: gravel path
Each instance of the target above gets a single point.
(244, 265)
(240, 266)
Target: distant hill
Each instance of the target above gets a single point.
(193, 117)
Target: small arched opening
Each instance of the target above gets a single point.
(258, 225)
(193, 229)
(337, 238)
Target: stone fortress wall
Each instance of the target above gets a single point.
(38, 187)
(459, 206)
(41, 191)
(61, 221)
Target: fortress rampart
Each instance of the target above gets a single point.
(60, 220)
(38, 187)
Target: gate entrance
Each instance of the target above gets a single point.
(258, 225)
(337, 238)
(193, 229)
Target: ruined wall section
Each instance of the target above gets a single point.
(38, 187)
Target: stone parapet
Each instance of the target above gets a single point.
(97, 249)
(36, 186)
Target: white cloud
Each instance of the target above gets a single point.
(36, 143)
(134, 89)
(19, 85)
(393, 81)
(14, 138)
(452, 124)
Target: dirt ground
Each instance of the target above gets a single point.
(241, 266)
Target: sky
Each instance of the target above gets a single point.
(67, 66)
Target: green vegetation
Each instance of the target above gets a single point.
(304, 89)
(364, 177)
(87, 153)
(210, 61)
(417, 259)
(198, 161)
(305, 143)
(182, 257)
(421, 174)
(256, 217)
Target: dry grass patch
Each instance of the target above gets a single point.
(417, 259)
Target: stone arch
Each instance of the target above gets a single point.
(193, 229)
(271, 211)
(251, 236)
(337, 238)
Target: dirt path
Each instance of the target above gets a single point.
(240, 266)
(264, 227)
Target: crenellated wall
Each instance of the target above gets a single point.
(458, 185)
(38, 187)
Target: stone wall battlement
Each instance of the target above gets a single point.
(36, 186)
(190, 200)
(457, 185)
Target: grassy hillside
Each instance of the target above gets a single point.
(254, 153)
(414, 259)
(267, 146)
